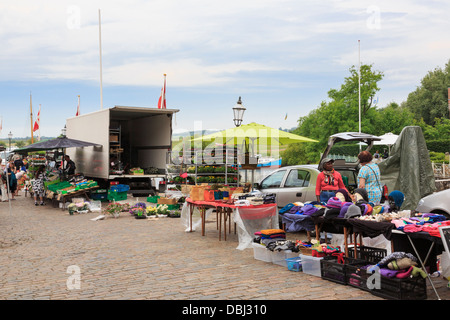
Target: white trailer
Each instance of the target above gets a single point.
(130, 137)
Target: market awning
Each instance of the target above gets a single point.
(58, 143)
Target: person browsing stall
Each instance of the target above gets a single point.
(369, 177)
(70, 165)
(328, 181)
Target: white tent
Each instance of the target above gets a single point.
(387, 139)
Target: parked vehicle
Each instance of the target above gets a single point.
(438, 202)
(131, 138)
(298, 183)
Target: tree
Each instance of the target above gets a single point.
(338, 115)
(430, 100)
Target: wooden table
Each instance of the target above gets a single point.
(224, 213)
(70, 195)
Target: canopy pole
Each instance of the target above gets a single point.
(31, 120)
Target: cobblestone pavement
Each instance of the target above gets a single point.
(42, 248)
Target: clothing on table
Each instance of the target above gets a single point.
(371, 174)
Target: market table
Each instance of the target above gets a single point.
(249, 219)
(61, 198)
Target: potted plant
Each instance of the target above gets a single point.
(151, 211)
(162, 210)
(174, 214)
(138, 210)
(114, 209)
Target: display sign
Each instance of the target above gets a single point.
(445, 236)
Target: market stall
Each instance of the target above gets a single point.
(411, 239)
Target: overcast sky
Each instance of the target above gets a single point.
(280, 56)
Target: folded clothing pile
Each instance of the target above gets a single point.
(272, 234)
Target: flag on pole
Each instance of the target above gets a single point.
(1, 120)
(38, 120)
(78, 107)
(162, 97)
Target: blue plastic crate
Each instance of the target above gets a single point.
(120, 188)
(294, 264)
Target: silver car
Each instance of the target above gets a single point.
(438, 202)
(298, 183)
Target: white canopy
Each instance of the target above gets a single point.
(387, 139)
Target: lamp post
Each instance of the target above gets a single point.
(10, 135)
(63, 131)
(238, 112)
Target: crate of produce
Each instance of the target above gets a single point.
(167, 201)
(311, 265)
(260, 252)
(335, 269)
(294, 264)
(410, 288)
(117, 196)
(370, 254)
(120, 188)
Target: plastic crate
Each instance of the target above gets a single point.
(294, 264)
(370, 254)
(414, 288)
(279, 257)
(99, 196)
(117, 196)
(120, 188)
(311, 265)
(331, 269)
(260, 252)
(153, 199)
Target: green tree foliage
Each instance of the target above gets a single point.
(340, 114)
(430, 100)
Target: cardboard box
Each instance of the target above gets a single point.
(167, 201)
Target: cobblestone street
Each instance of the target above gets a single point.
(42, 248)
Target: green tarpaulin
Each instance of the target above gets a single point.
(408, 168)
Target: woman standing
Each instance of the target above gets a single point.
(11, 175)
(38, 185)
(369, 177)
(328, 181)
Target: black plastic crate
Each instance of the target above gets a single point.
(411, 288)
(331, 269)
(370, 254)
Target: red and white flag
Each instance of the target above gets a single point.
(162, 98)
(78, 107)
(38, 120)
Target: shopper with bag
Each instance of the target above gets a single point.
(369, 177)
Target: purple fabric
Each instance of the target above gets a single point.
(344, 208)
(388, 272)
(334, 202)
(309, 210)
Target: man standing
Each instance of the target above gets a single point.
(70, 166)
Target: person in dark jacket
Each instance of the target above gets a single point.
(70, 165)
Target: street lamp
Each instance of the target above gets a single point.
(238, 112)
(10, 135)
(63, 131)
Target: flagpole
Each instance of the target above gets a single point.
(100, 48)
(31, 120)
(39, 123)
(359, 83)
